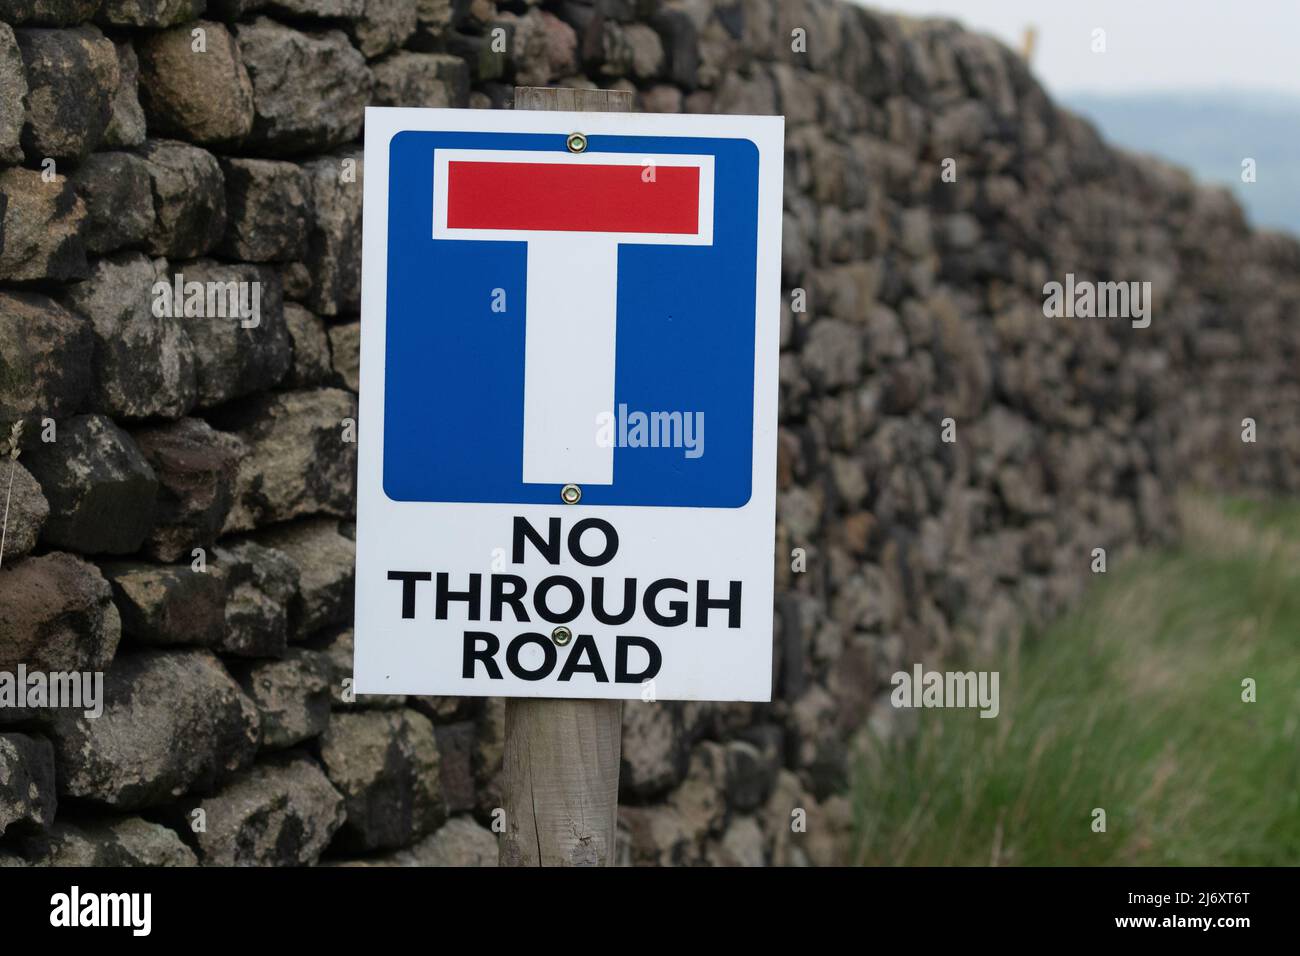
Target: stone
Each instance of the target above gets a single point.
(345, 348)
(334, 246)
(50, 13)
(331, 9)
(742, 844)
(27, 510)
(311, 348)
(292, 696)
(750, 775)
(298, 462)
(338, 648)
(458, 842)
(168, 605)
(40, 225)
(421, 79)
(189, 199)
(45, 354)
(27, 795)
(144, 363)
(203, 96)
(71, 77)
(655, 753)
(126, 126)
(832, 356)
(57, 615)
(309, 89)
(326, 562)
(245, 347)
(118, 196)
(267, 211)
(385, 764)
(149, 13)
(383, 25)
(113, 841)
(281, 812)
(658, 836)
(129, 758)
(456, 758)
(196, 467)
(261, 584)
(433, 19)
(13, 88)
(100, 489)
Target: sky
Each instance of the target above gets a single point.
(1151, 45)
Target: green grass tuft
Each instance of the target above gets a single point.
(1132, 704)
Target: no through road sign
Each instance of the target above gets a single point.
(568, 404)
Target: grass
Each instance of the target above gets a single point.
(1134, 705)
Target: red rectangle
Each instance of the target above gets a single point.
(573, 197)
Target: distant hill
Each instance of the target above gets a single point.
(1210, 134)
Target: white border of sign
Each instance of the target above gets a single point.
(422, 656)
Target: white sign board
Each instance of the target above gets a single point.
(566, 483)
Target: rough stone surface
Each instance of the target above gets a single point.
(27, 512)
(144, 363)
(132, 756)
(189, 199)
(345, 350)
(113, 841)
(385, 764)
(241, 344)
(311, 348)
(326, 561)
(267, 211)
(338, 647)
(13, 88)
(40, 223)
(168, 605)
(458, 842)
(261, 585)
(298, 461)
(27, 797)
(334, 248)
(57, 615)
(309, 89)
(204, 95)
(282, 812)
(71, 77)
(118, 195)
(45, 360)
(292, 696)
(149, 13)
(421, 79)
(100, 489)
(50, 13)
(196, 466)
(383, 25)
(126, 126)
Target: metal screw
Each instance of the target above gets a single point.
(570, 494)
(576, 142)
(561, 635)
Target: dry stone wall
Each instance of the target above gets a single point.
(931, 191)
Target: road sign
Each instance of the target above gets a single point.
(566, 484)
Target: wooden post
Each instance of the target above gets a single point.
(562, 756)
